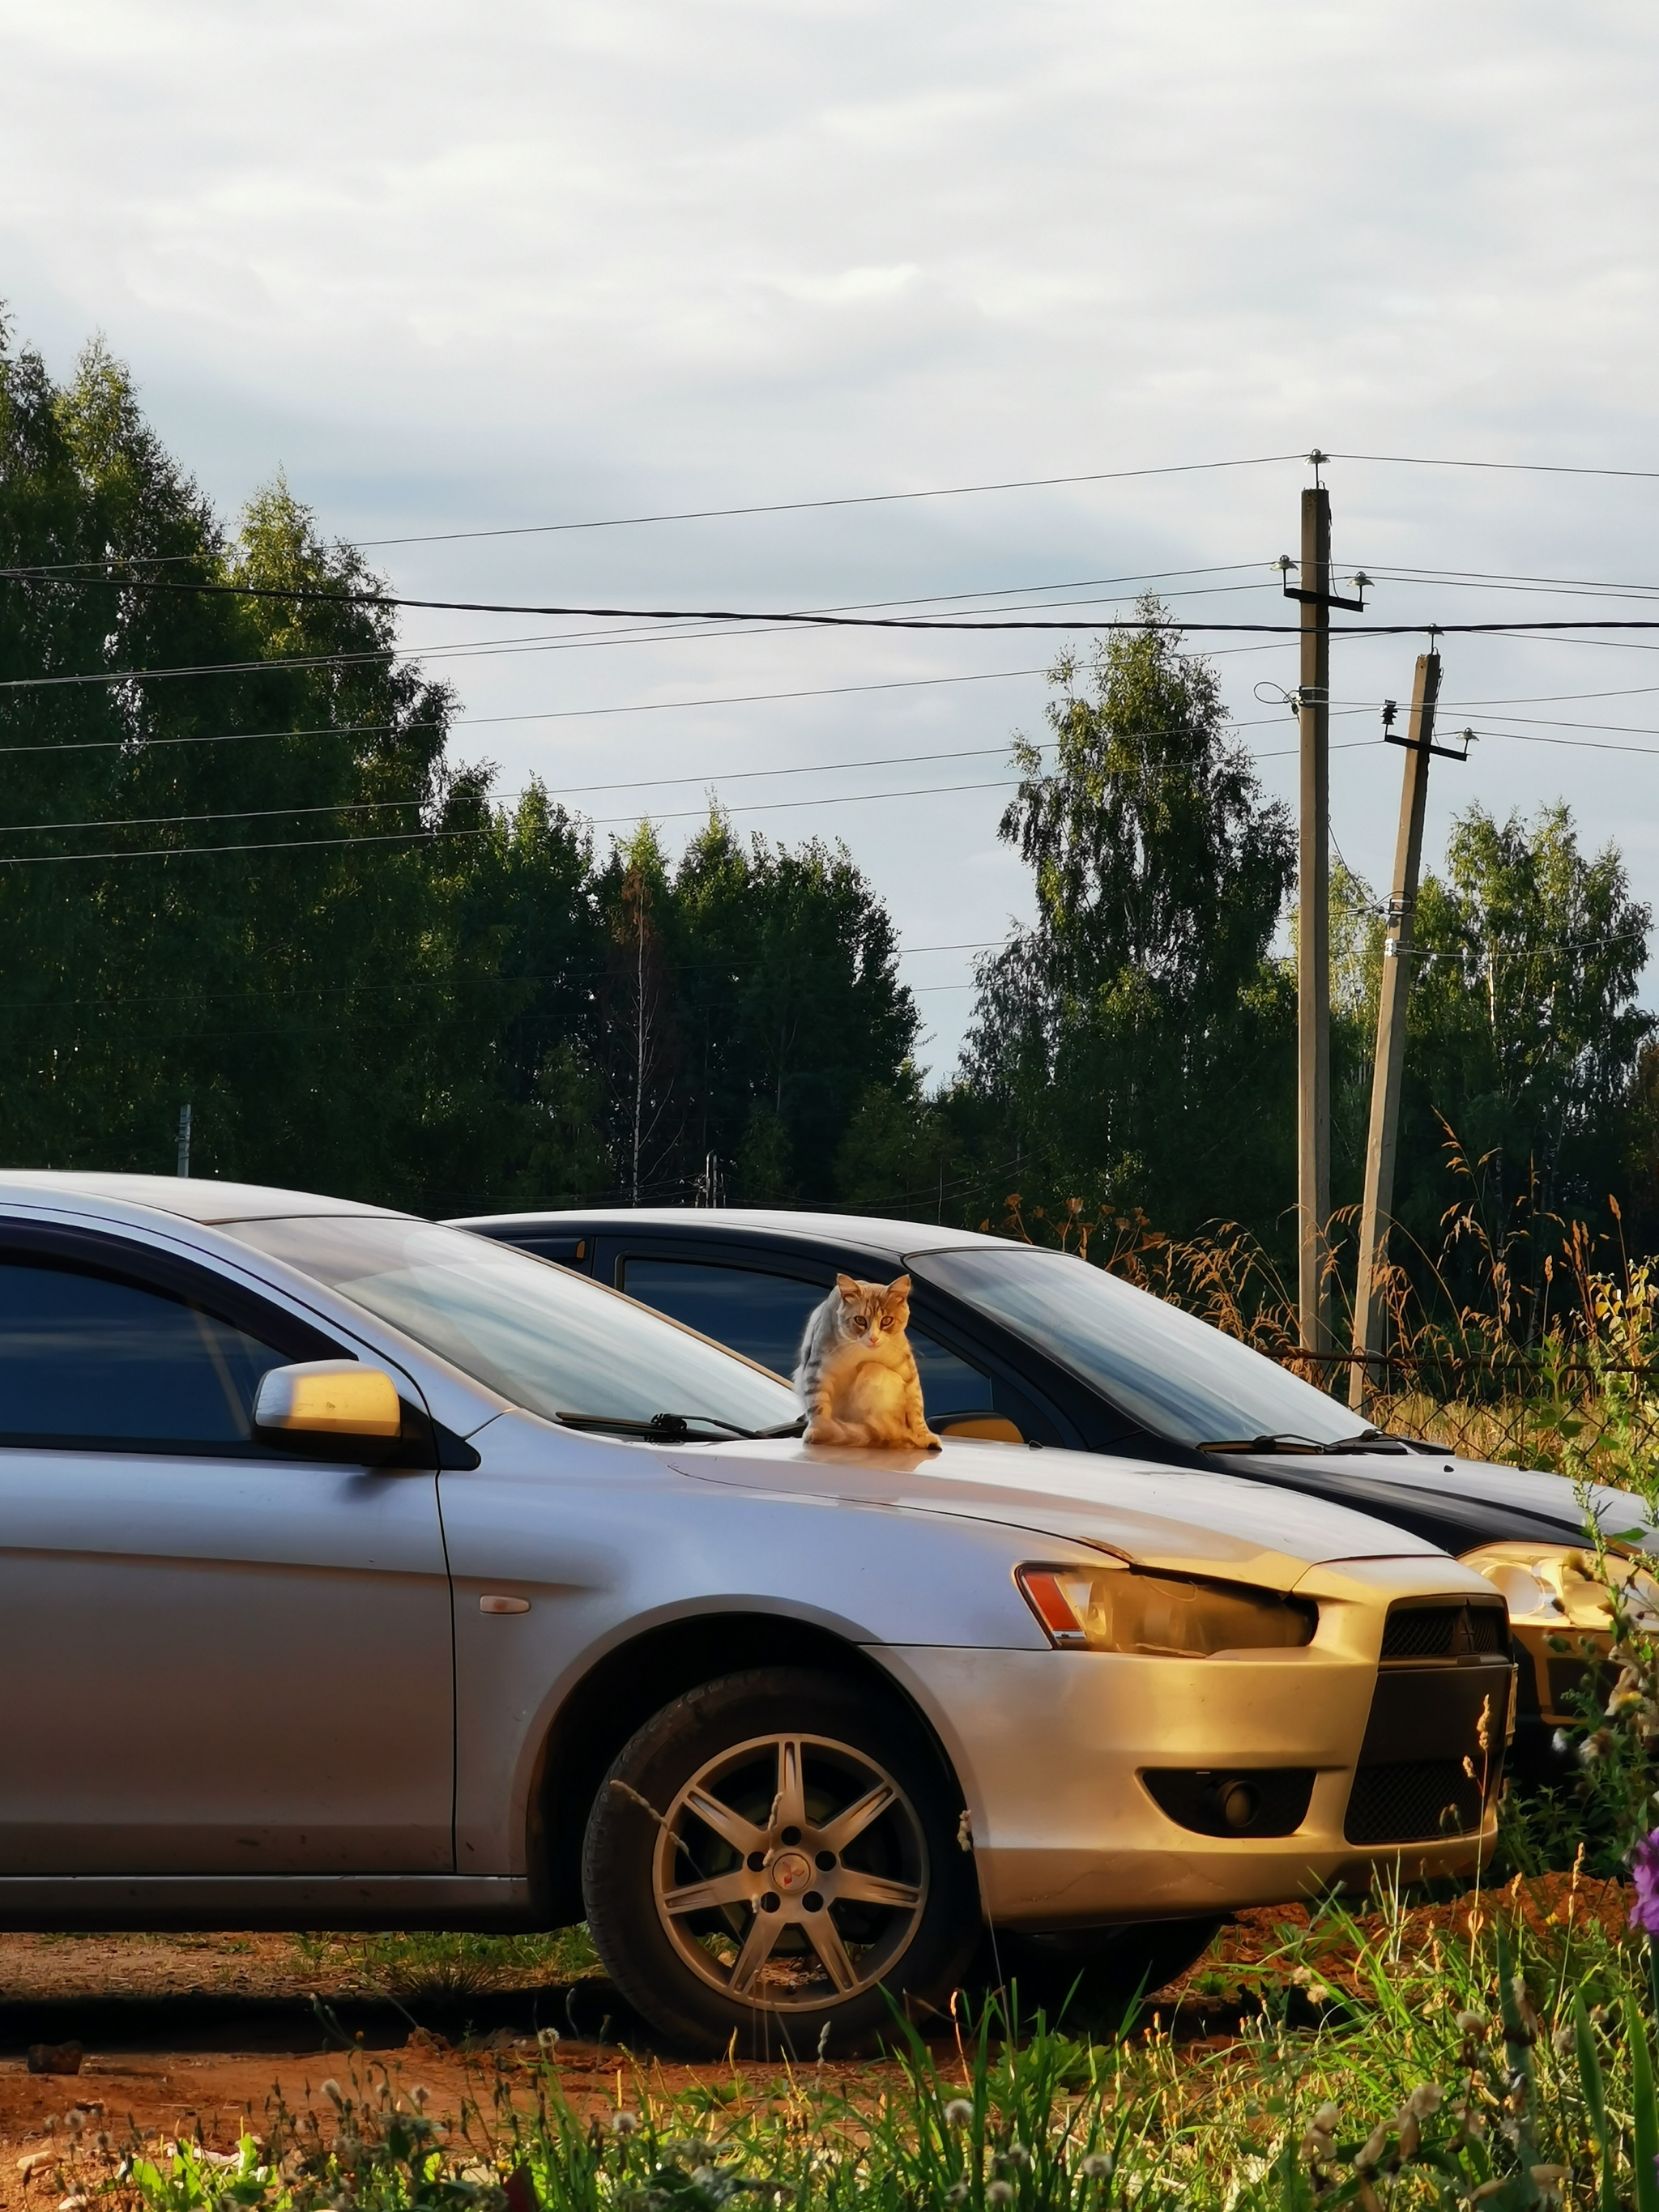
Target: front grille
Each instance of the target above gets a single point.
(1418, 1802)
(1434, 1740)
(1444, 1631)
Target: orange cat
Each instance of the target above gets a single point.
(857, 1375)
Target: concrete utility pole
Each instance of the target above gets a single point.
(1395, 988)
(1312, 951)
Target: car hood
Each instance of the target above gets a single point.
(1451, 1501)
(1157, 1516)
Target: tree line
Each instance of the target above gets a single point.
(261, 882)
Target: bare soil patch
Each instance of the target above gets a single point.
(194, 2033)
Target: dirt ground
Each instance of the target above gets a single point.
(188, 2033)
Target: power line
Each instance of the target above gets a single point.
(1175, 625)
(630, 632)
(798, 505)
(745, 775)
(1527, 468)
(356, 990)
(581, 790)
(1476, 577)
(484, 830)
(540, 715)
(809, 506)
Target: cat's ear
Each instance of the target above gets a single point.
(898, 1291)
(847, 1287)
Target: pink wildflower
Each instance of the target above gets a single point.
(1644, 1871)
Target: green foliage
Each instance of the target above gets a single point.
(291, 909)
(1524, 1034)
(1506, 2070)
(1137, 1040)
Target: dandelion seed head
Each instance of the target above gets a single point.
(958, 2113)
(999, 2192)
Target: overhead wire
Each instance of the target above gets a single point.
(731, 775)
(582, 790)
(1528, 468)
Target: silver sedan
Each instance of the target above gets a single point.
(354, 1570)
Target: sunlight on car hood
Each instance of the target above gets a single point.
(1159, 1516)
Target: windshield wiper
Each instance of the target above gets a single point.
(1367, 1440)
(673, 1428)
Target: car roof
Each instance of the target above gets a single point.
(833, 1229)
(196, 1197)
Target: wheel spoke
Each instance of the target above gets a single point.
(839, 1831)
(855, 1888)
(743, 1835)
(790, 1810)
(763, 1932)
(734, 1888)
(825, 1939)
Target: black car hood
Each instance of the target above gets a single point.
(1454, 1501)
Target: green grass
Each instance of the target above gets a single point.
(436, 1967)
(1500, 2071)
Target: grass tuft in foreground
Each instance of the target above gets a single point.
(1491, 2060)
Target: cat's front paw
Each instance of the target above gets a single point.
(928, 1442)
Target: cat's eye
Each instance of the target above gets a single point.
(887, 1321)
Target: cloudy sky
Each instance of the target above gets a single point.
(492, 267)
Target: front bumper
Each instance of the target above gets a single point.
(1053, 1750)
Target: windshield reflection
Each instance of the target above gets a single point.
(1168, 1370)
(544, 1339)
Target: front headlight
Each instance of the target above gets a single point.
(1170, 1616)
(1562, 1620)
(1557, 1587)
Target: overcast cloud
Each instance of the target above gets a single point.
(455, 268)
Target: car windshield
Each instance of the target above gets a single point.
(1167, 1370)
(544, 1338)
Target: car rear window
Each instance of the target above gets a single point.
(757, 1313)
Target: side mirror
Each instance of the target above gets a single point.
(338, 1397)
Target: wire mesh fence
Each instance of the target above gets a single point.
(1517, 1406)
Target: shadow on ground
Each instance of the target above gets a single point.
(587, 2010)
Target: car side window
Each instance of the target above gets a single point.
(758, 1314)
(949, 1385)
(96, 1361)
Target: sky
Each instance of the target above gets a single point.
(491, 268)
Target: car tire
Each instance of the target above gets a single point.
(775, 1855)
(1098, 1969)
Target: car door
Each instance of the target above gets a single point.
(220, 1657)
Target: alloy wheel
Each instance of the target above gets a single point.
(791, 1871)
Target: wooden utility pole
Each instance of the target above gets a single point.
(1312, 951)
(1419, 745)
